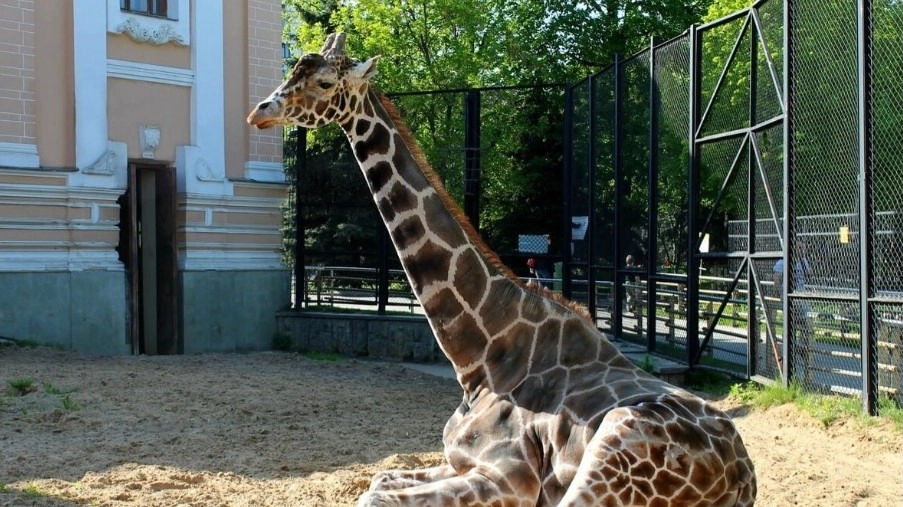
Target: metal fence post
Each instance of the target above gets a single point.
(567, 228)
(382, 295)
(752, 324)
(472, 157)
(652, 221)
(693, 200)
(591, 205)
(618, 292)
(788, 170)
(866, 273)
(300, 135)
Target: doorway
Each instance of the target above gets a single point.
(148, 250)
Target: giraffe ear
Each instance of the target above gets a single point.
(365, 70)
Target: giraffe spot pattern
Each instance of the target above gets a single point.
(507, 357)
(408, 232)
(429, 263)
(445, 227)
(408, 169)
(321, 107)
(376, 143)
(582, 348)
(547, 340)
(470, 278)
(399, 200)
(378, 175)
(495, 311)
(361, 127)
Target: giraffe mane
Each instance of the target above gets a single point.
(433, 177)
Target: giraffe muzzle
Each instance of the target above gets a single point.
(261, 118)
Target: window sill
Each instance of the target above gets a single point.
(126, 12)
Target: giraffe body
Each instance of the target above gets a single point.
(552, 413)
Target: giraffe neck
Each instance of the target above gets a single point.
(467, 295)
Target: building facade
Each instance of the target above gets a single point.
(139, 213)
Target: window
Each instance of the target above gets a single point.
(151, 21)
(157, 8)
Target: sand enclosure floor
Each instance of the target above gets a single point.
(277, 429)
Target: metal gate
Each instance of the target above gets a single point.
(736, 152)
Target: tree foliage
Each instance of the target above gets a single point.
(456, 44)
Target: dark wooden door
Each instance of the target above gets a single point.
(168, 339)
(130, 221)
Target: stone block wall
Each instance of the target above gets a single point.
(376, 336)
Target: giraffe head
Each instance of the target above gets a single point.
(323, 88)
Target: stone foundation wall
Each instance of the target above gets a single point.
(376, 336)
(83, 311)
(231, 311)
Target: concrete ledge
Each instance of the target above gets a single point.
(663, 368)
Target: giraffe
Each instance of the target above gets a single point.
(552, 413)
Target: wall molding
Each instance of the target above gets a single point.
(221, 258)
(61, 194)
(124, 69)
(270, 172)
(58, 257)
(19, 155)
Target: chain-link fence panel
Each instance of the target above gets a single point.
(603, 253)
(436, 121)
(603, 92)
(341, 229)
(633, 212)
(768, 58)
(672, 79)
(580, 190)
(521, 179)
(769, 324)
(823, 251)
(886, 130)
(672, 85)
(824, 183)
(826, 349)
(725, 71)
(888, 325)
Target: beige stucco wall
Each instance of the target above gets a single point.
(54, 87)
(121, 47)
(135, 103)
(250, 218)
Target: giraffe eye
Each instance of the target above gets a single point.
(325, 85)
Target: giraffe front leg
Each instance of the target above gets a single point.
(474, 488)
(400, 479)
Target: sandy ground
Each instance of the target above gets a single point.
(277, 429)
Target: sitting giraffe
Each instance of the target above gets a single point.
(552, 413)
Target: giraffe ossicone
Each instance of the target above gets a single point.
(552, 413)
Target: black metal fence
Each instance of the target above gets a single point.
(687, 157)
(768, 113)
